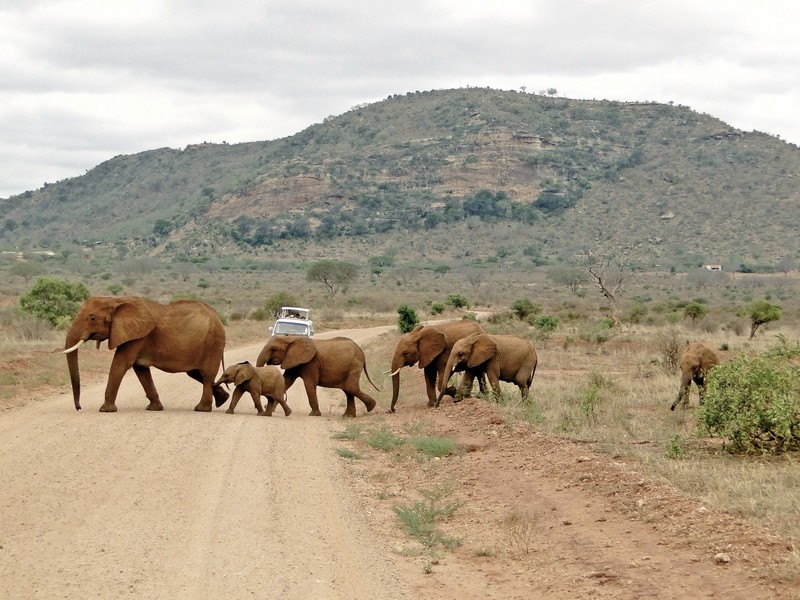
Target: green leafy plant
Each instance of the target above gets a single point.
(754, 402)
(54, 300)
(407, 318)
(457, 301)
(759, 313)
(384, 439)
(524, 308)
(420, 518)
(434, 446)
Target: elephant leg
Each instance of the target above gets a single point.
(208, 390)
(350, 411)
(256, 396)
(368, 400)
(271, 406)
(432, 376)
(237, 393)
(311, 392)
(466, 384)
(119, 366)
(700, 382)
(146, 379)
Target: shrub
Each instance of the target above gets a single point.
(523, 308)
(759, 313)
(437, 308)
(54, 300)
(407, 318)
(546, 323)
(694, 311)
(457, 301)
(754, 401)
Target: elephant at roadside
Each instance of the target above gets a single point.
(183, 337)
(500, 357)
(258, 381)
(696, 360)
(428, 346)
(332, 363)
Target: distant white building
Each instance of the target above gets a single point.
(712, 267)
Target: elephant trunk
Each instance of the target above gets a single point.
(397, 365)
(74, 340)
(448, 372)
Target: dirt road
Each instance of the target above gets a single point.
(180, 504)
(186, 505)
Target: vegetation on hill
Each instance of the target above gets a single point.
(445, 177)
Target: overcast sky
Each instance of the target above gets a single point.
(82, 81)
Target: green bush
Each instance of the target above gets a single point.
(523, 308)
(457, 301)
(407, 318)
(754, 401)
(437, 308)
(546, 323)
(54, 300)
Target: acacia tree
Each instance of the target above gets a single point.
(335, 275)
(610, 273)
(759, 313)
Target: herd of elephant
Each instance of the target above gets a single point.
(188, 337)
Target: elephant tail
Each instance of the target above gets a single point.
(368, 378)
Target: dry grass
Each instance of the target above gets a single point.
(616, 397)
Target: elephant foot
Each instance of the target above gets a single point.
(220, 396)
(431, 404)
(349, 415)
(203, 407)
(287, 411)
(155, 405)
(230, 411)
(370, 405)
(108, 407)
(315, 413)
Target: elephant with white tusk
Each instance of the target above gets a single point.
(182, 337)
(428, 346)
(500, 357)
(258, 381)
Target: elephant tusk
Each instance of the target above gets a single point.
(394, 373)
(75, 347)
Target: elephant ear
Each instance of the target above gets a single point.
(431, 344)
(244, 373)
(483, 349)
(130, 321)
(299, 352)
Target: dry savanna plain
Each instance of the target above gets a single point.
(591, 489)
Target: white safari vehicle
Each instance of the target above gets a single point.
(293, 320)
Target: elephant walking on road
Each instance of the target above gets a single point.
(258, 381)
(697, 359)
(500, 357)
(182, 337)
(429, 346)
(332, 363)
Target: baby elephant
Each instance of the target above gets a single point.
(259, 381)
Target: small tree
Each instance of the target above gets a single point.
(335, 275)
(694, 310)
(523, 308)
(572, 277)
(27, 270)
(54, 300)
(610, 273)
(457, 301)
(407, 318)
(759, 313)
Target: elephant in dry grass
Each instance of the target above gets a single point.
(696, 360)
(332, 363)
(500, 357)
(258, 381)
(182, 337)
(428, 346)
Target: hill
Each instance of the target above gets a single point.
(453, 176)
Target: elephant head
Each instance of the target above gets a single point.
(420, 346)
(467, 353)
(116, 319)
(288, 351)
(237, 374)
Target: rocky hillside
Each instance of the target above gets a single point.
(445, 175)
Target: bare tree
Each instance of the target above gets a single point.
(610, 273)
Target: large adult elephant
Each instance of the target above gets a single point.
(428, 346)
(500, 357)
(182, 337)
(332, 363)
(696, 360)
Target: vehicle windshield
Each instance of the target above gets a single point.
(293, 312)
(285, 328)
